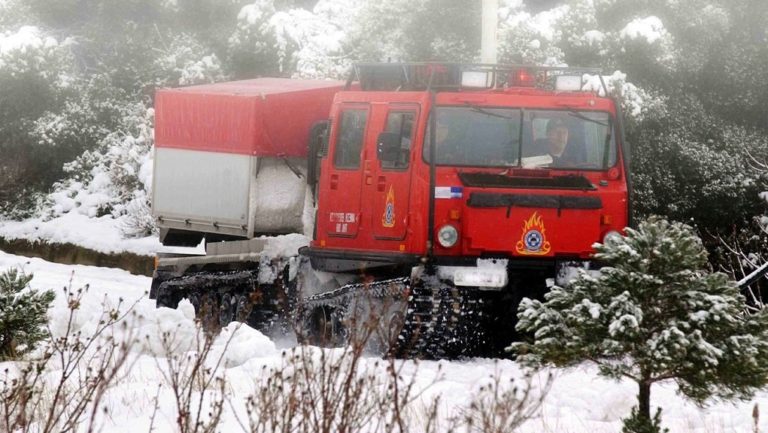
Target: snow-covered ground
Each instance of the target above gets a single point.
(579, 400)
(100, 234)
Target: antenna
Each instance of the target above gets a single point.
(490, 20)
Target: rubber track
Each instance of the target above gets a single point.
(211, 288)
(441, 321)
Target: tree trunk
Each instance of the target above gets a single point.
(644, 400)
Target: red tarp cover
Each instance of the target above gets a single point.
(265, 116)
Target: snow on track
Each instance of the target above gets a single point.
(579, 400)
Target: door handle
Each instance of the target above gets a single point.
(334, 181)
(381, 184)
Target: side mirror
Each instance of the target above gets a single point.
(388, 146)
(318, 148)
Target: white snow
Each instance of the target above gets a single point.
(284, 245)
(579, 400)
(99, 234)
(594, 37)
(27, 38)
(258, 11)
(649, 28)
(277, 195)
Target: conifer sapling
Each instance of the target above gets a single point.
(23, 314)
(655, 312)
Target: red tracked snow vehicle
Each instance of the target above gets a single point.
(441, 193)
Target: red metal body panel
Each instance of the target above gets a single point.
(568, 233)
(264, 117)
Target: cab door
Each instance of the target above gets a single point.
(341, 193)
(391, 180)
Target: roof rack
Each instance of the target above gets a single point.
(438, 76)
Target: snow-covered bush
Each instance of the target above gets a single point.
(64, 387)
(13, 12)
(23, 314)
(116, 177)
(186, 62)
(34, 77)
(531, 39)
(325, 42)
(253, 46)
(315, 42)
(690, 165)
(654, 313)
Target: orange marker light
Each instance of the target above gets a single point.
(613, 173)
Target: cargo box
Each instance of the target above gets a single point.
(261, 117)
(228, 156)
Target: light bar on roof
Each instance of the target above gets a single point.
(568, 83)
(482, 79)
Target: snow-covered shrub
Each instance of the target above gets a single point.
(34, 77)
(64, 387)
(23, 314)
(186, 62)
(253, 46)
(13, 12)
(654, 313)
(325, 42)
(527, 39)
(689, 165)
(315, 42)
(500, 406)
(116, 178)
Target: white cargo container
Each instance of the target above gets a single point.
(230, 158)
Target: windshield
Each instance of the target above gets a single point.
(495, 137)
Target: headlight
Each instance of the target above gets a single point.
(447, 236)
(611, 236)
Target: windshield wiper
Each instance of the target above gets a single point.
(482, 110)
(588, 119)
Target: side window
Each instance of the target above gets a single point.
(350, 138)
(401, 122)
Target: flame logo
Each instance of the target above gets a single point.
(533, 241)
(388, 218)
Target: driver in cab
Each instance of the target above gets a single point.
(556, 142)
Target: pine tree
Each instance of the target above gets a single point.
(654, 313)
(23, 314)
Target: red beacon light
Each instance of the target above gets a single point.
(522, 78)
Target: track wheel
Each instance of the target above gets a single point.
(243, 309)
(209, 313)
(226, 309)
(322, 327)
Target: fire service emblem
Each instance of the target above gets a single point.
(388, 219)
(533, 242)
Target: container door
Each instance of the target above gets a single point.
(391, 180)
(342, 210)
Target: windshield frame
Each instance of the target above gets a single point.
(612, 136)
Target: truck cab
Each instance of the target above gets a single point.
(525, 164)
